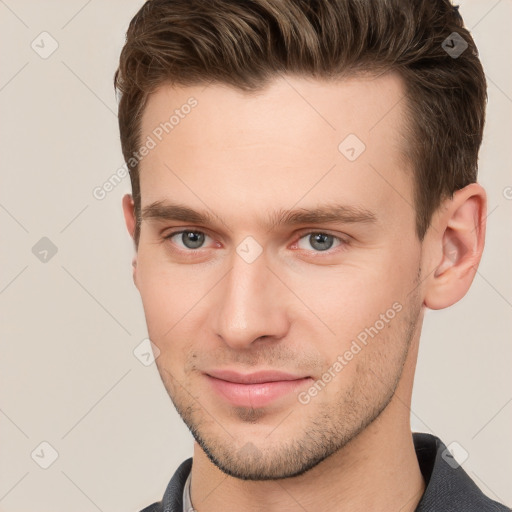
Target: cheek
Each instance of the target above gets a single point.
(162, 296)
(166, 289)
(175, 302)
(349, 299)
(359, 309)
(365, 360)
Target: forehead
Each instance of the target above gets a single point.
(296, 140)
(307, 108)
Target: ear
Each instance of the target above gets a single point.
(129, 218)
(457, 238)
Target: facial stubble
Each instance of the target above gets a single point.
(312, 435)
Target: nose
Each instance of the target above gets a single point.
(250, 304)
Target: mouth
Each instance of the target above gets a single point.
(254, 389)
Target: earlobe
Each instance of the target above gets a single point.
(459, 242)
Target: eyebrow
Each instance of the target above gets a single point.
(329, 213)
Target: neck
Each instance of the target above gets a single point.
(376, 470)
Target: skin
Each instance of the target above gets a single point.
(242, 158)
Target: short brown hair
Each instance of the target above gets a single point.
(247, 43)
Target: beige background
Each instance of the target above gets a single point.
(68, 375)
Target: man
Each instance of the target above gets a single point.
(304, 187)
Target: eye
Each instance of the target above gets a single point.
(188, 239)
(319, 241)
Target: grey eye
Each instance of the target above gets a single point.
(190, 239)
(319, 241)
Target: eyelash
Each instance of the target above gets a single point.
(341, 242)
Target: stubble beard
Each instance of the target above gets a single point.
(314, 438)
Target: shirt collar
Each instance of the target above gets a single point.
(448, 486)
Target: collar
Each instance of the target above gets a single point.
(448, 487)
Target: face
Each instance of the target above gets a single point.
(278, 264)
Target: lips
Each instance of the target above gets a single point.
(255, 389)
(253, 378)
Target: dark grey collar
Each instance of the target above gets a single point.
(449, 487)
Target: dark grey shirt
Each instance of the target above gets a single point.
(448, 487)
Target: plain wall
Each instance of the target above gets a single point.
(68, 375)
